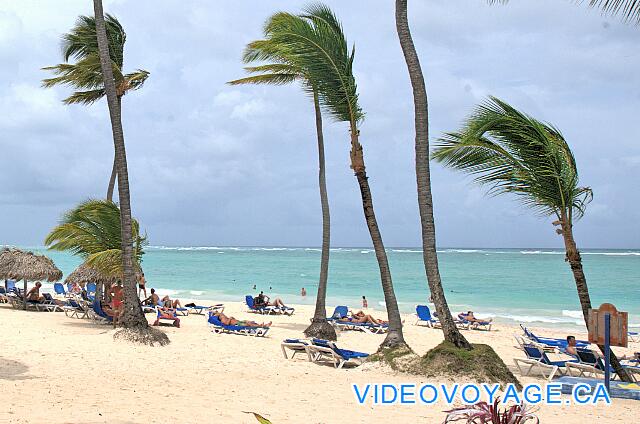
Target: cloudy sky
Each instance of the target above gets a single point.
(211, 164)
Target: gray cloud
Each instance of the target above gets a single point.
(212, 164)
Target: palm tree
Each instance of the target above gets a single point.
(315, 43)
(629, 9)
(85, 75)
(132, 316)
(423, 178)
(515, 153)
(92, 231)
(280, 72)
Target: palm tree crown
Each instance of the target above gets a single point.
(92, 231)
(628, 9)
(518, 154)
(85, 75)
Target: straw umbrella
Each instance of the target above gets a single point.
(18, 265)
(86, 274)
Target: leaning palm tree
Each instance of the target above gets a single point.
(91, 230)
(629, 10)
(423, 179)
(85, 75)
(132, 317)
(279, 72)
(315, 43)
(515, 153)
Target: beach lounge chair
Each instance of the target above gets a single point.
(200, 310)
(173, 317)
(475, 325)
(219, 328)
(58, 288)
(339, 312)
(267, 309)
(634, 336)
(320, 350)
(49, 304)
(295, 346)
(592, 365)
(538, 361)
(75, 309)
(424, 316)
(550, 341)
(98, 314)
(360, 326)
(91, 289)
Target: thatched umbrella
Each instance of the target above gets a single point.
(18, 265)
(86, 274)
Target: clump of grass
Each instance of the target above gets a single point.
(395, 357)
(481, 364)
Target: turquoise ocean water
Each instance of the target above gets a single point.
(512, 285)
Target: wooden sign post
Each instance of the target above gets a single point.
(608, 327)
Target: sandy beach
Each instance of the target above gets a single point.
(55, 369)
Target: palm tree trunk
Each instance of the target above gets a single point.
(575, 262)
(132, 316)
(112, 179)
(394, 338)
(319, 327)
(425, 200)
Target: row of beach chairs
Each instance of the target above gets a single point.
(587, 362)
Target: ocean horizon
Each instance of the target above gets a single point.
(533, 286)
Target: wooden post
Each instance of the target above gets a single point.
(24, 296)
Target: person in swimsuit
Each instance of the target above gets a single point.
(153, 300)
(141, 285)
(117, 298)
(33, 295)
(361, 317)
(167, 313)
(264, 300)
(471, 318)
(233, 321)
(168, 303)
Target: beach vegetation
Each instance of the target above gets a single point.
(315, 43)
(423, 179)
(85, 75)
(514, 153)
(485, 413)
(279, 69)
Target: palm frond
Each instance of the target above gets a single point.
(134, 80)
(85, 97)
(515, 153)
(82, 41)
(629, 10)
(315, 44)
(92, 231)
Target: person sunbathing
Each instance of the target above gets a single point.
(233, 321)
(33, 295)
(471, 318)
(168, 303)
(362, 318)
(167, 313)
(263, 300)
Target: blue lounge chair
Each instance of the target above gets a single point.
(175, 321)
(294, 345)
(591, 364)
(339, 312)
(538, 360)
(245, 330)
(98, 314)
(75, 309)
(59, 289)
(324, 349)
(49, 304)
(476, 325)
(11, 286)
(550, 341)
(259, 309)
(634, 336)
(424, 315)
(200, 310)
(91, 289)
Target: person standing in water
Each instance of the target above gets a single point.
(365, 304)
(303, 292)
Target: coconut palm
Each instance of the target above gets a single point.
(279, 72)
(628, 9)
(85, 75)
(423, 178)
(315, 43)
(92, 231)
(132, 316)
(515, 153)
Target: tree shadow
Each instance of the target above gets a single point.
(13, 370)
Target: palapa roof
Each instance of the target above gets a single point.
(18, 264)
(86, 274)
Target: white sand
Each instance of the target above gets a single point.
(72, 371)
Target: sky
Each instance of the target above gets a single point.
(216, 165)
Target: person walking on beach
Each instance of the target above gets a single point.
(365, 304)
(303, 292)
(117, 297)
(141, 286)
